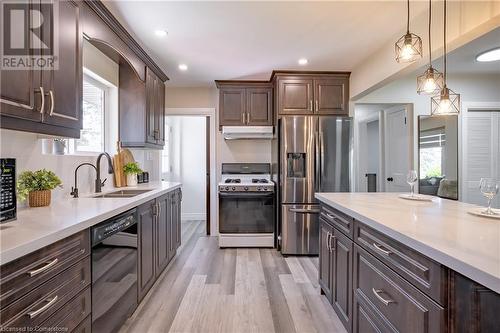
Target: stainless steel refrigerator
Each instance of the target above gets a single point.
(314, 157)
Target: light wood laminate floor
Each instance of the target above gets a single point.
(207, 289)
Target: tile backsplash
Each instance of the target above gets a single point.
(26, 148)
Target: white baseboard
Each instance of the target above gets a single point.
(193, 217)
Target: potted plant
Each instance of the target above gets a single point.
(59, 146)
(37, 186)
(131, 170)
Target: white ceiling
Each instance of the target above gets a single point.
(234, 40)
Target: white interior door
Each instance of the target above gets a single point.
(481, 153)
(397, 149)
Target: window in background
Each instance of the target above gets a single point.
(92, 135)
(432, 144)
(166, 166)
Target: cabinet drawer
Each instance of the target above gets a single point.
(85, 326)
(393, 298)
(26, 273)
(71, 314)
(424, 273)
(37, 306)
(338, 219)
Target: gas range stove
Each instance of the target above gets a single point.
(246, 183)
(246, 177)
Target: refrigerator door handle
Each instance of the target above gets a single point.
(322, 155)
(317, 180)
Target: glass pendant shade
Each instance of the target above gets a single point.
(408, 48)
(430, 82)
(446, 103)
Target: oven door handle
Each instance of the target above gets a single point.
(303, 211)
(246, 194)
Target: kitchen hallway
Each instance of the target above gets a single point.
(208, 289)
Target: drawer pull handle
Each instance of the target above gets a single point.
(332, 238)
(377, 292)
(380, 249)
(43, 268)
(303, 211)
(35, 313)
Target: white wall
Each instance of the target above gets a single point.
(372, 136)
(188, 157)
(467, 20)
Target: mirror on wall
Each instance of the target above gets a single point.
(438, 156)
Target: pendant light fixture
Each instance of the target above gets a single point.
(431, 81)
(409, 46)
(447, 102)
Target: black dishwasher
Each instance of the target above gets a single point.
(114, 272)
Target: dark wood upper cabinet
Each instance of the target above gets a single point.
(147, 242)
(295, 96)
(59, 110)
(232, 107)
(63, 86)
(142, 109)
(330, 96)
(245, 103)
(308, 93)
(259, 106)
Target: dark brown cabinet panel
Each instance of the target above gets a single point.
(425, 274)
(245, 103)
(396, 302)
(142, 109)
(330, 96)
(48, 101)
(325, 259)
(147, 243)
(176, 218)
(474, 308)
(232, 106)
(295, 96)
(259, 106)
(163, 234)
(63, 85)
(342, 248)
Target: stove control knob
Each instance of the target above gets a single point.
(246, 188)
(227, 188)
(233, 188)
(259, 189)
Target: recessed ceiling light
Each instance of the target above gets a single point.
(491, 55)
(303, 61)
(161, 33)
(183, 67)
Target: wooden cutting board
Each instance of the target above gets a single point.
(122, 157)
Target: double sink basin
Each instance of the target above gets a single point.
(122, 194)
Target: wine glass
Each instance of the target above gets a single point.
(411, 179)
(489, 189)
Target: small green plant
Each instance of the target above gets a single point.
(132, 168)
(39, 180)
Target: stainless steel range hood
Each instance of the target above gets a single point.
(247, 132)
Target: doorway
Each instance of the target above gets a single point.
(186, 159)
(383, 147)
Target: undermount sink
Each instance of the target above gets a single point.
(122, 194)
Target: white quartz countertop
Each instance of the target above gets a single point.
(442, 230)
(36, 228)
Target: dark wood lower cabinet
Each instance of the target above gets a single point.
(474, 308)
(376, 284)
(159, 237)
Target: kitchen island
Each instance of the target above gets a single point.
(387, 263)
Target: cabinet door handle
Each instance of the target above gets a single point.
(380, 249)
(317, 106)
(332, 238)
(328, 235)
(42, 106)
(43, 268)
(51, 302)
(248, 118)
(311, 105)
(377, 292)
(243, 117)
(159, 209)
(51, 94)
